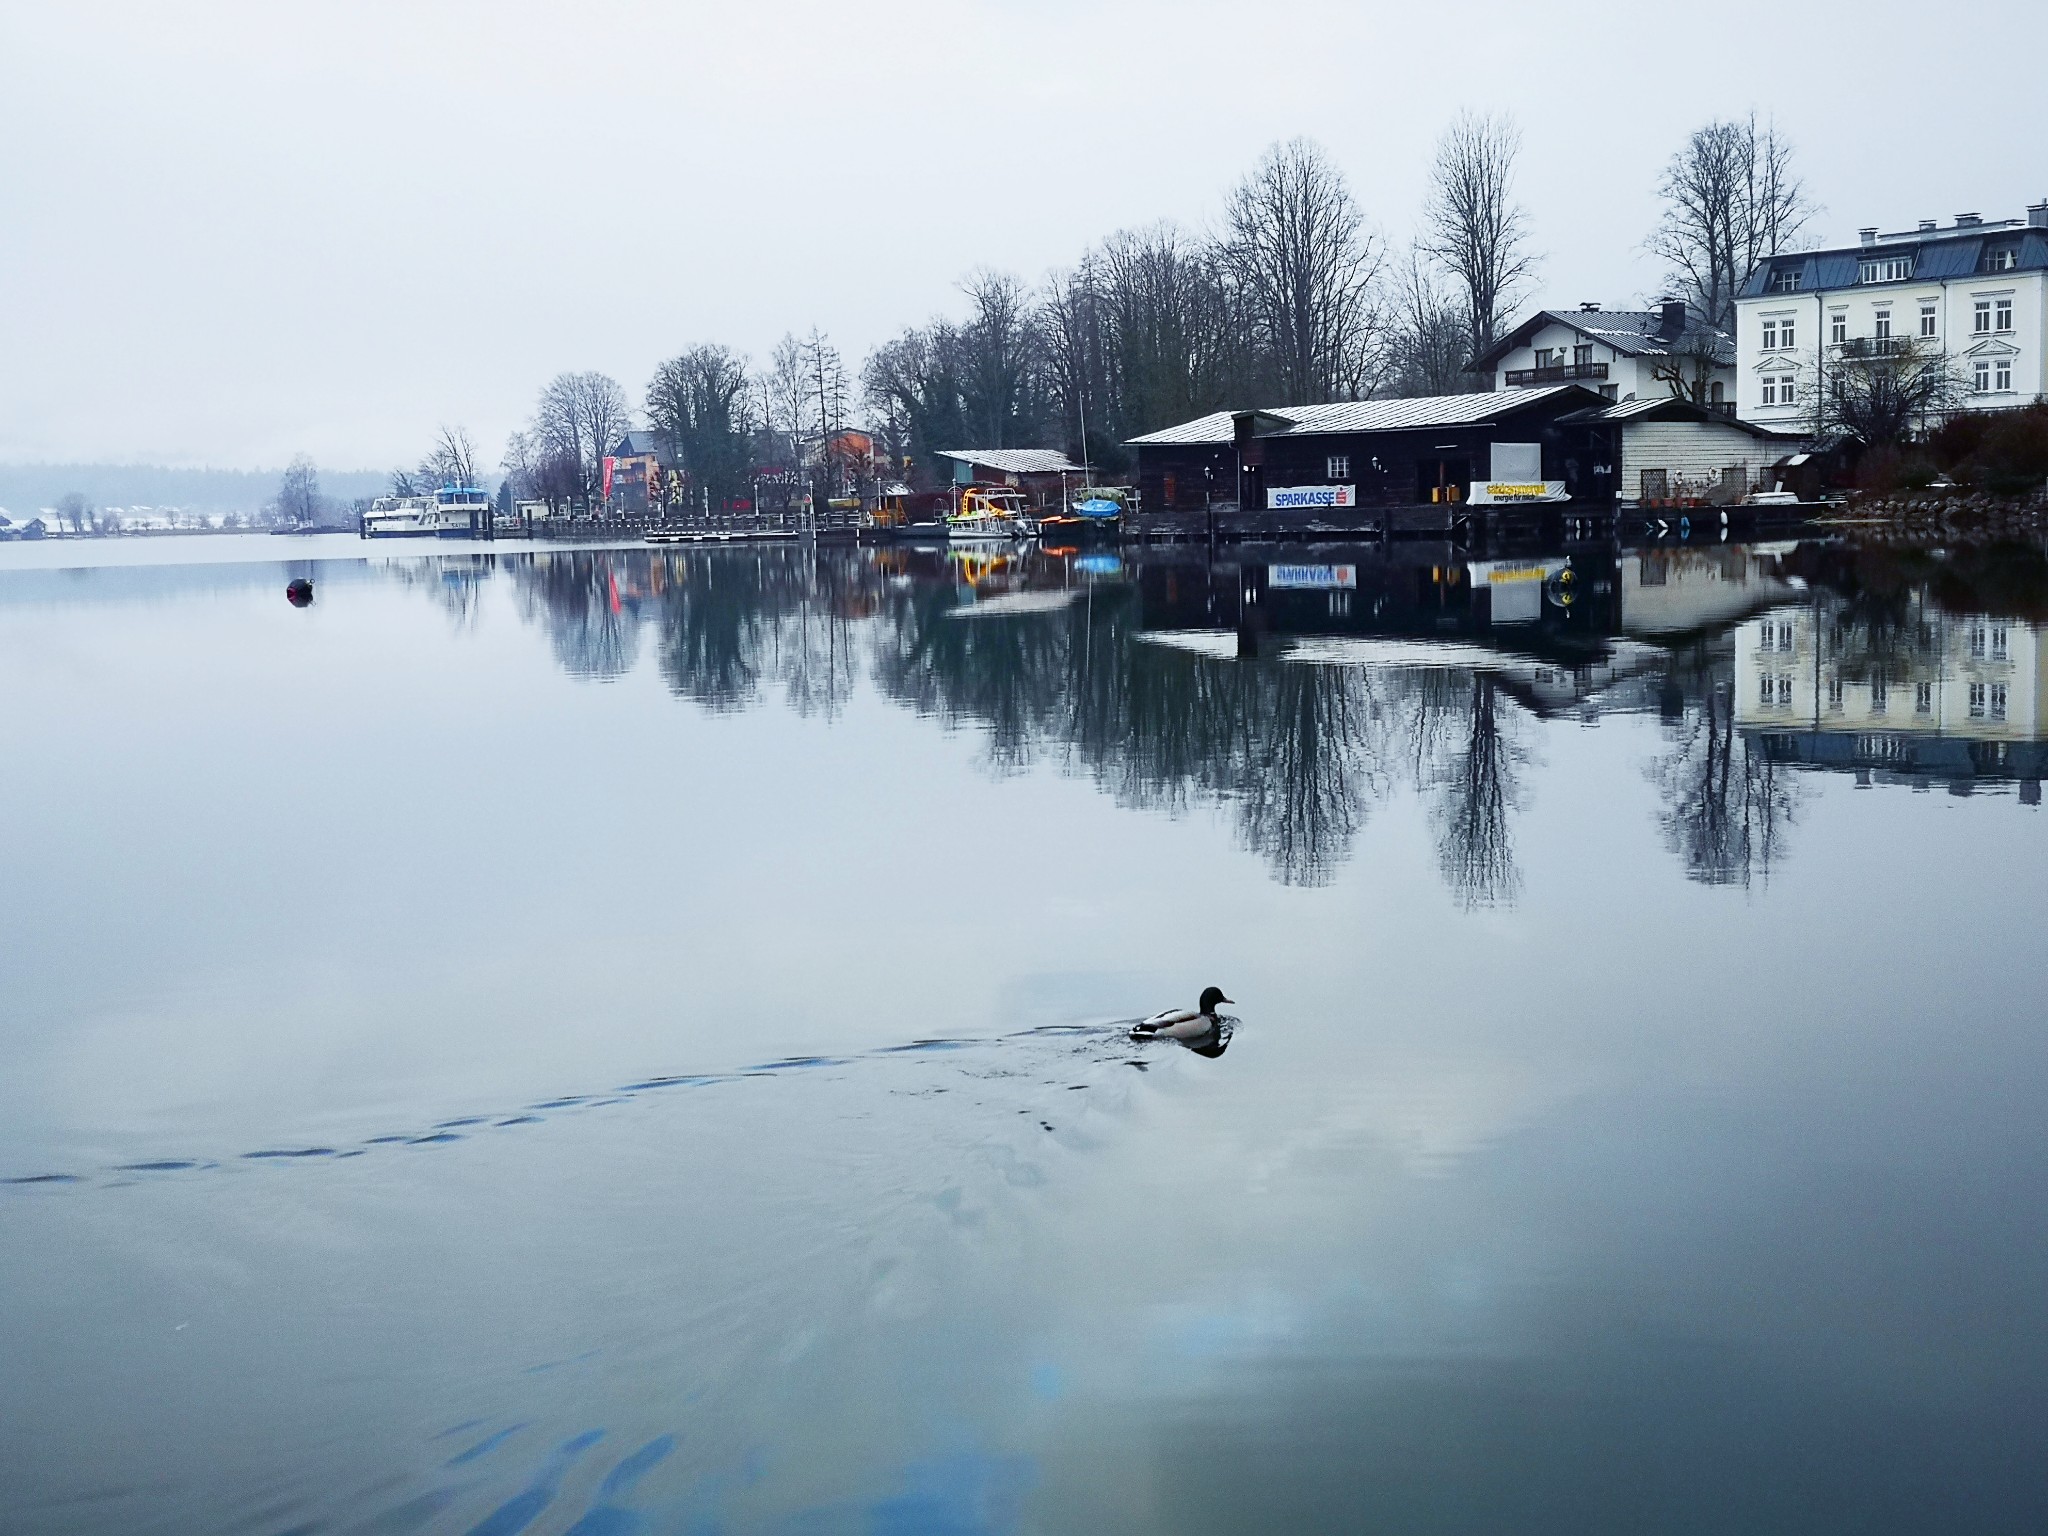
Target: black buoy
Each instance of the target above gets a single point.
(299, 593)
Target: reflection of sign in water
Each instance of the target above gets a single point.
(1286, 497)
(1517, 587)
(1500, 492)
(1314, 578)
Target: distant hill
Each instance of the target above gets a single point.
(24, 488)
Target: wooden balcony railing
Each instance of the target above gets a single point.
(1557, 373)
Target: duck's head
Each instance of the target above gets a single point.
(1211, 996)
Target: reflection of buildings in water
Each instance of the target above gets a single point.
(1928, 695)
(1664, 593)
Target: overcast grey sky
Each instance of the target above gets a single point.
(234, 231)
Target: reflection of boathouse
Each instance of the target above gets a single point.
(1954, 697)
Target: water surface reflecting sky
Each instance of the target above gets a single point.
(627, 1040)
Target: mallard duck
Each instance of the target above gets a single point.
(1183, 1023)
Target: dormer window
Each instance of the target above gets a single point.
(1885, 269)
(2001, 258)
(1785, 280)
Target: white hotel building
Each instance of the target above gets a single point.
(1976, 290)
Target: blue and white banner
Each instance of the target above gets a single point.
(1295, 498)
(1312, 578)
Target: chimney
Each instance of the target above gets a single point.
(1671, 318)
(1867, 236)
(1969, 220)
(2037, 214)
(1928, 224)
(1592, 306)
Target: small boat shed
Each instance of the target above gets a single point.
(1040, 473)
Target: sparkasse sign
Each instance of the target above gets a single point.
(1281, 498)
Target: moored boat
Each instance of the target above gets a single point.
(990, 514)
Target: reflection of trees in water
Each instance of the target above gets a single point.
(592, 617)
(1726, 806)
(1474, 788)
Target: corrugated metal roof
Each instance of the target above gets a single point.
(1014, 461)
(1411, 413)
(1675, 408)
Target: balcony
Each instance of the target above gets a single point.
(1557, 373)
(1878, 346)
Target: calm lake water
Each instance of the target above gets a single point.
(631, 1041)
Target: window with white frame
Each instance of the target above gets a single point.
(1978, 699)
(1785, 280)
(1788, 332)
(1764, 641)
(1763, 690)
(1788, 389)
(2001, 258)
(1884, 325)
(1784, 690)
(1885, 269)
(1999, 639)
(1880, 695)
(1785, 638)
(1980, 318)
(1979, 634)
(1923, 698)
(1998, 701)
(1838, 327)
(1835, 694)
(1927, 320)
(1337, 467)
(1770, 336)
(1770, 389)
(1980, 376)
(2001, 374)
(2001, 314)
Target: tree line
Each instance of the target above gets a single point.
(1295, 296)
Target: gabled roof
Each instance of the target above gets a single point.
(1631, 332)
(636, 443)
(1671, 408)
(1014, 461)
(1410, 413)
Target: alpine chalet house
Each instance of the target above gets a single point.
(1976, 291)
(1620, 354)
(1506, 446)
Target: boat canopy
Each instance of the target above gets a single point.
(1098, 506)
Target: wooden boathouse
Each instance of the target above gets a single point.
(1378, 465)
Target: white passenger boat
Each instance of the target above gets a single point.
(453, 512)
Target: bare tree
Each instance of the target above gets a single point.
(1303, 262)
(1687, 367)
(1474, 227)
(1731, 199)
(1001, 364)
(451, 461)
(578, 420)
(298, 494)
(1170, 347)
(787, 394)
(1429, 342)
(75, 509)
(1887, 392)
